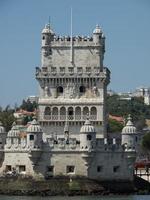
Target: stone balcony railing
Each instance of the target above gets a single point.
(69, 117)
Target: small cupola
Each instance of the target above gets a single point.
(14, 132)
(97, 30)
(34, 127)
(129, 128)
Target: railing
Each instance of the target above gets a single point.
(69, 117)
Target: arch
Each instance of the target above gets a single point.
(82, 89)
(85, 111)
(55, 111)
(70, 113)
(62, 113)
(60, 90)
(93, 113)
(78, 113)
(47, 111)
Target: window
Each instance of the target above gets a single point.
(99, 168)
(89, 137)
(43, 38)
(31, 137)
(47, 111)
(70, 70)
(53, 70)
(82, 89)
(22, 168)
(79, 70)
(50, 168)
(116, 169)
(70, 169)
(8, 168)
(88, 69)
(60, 90)
(96, 70)
(62, 70)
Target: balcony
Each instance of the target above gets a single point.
(68, 118)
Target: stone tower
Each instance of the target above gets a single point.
(73, 82)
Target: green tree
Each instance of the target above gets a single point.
(146, 142)
(7, 117)
(114, 126)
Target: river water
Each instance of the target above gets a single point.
(131, 197)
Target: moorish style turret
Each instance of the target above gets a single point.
(87, 136)
(129, 135)
(34, 135)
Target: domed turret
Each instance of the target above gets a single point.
(129, 134)
(87, 135)
(34, 135)
(2, 129)
(97, 34)
(47, 35)
(13, 136)
(14, 132)
(2, 135)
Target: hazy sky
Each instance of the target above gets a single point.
(126, 24)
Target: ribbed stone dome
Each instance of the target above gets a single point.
(87, 127)
(129, 128)
(2, 129)
(14, 132)
(47, 29)
(34, 127)
(97, 30)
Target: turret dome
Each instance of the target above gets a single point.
(34, 127)
(87, 127)
(2, 129)
(97, 30)
(47, 29)
(14, 132)
(129, 128)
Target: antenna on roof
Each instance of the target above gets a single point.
(49, 21)
(71, 41)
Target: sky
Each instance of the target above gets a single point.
(125, 23)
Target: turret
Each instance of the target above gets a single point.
(47, 35)
(87, 136)
(130, 135)
(13, 136)
(34, 135)
(97, 34)
(2, 135)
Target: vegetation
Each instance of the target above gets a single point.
(28, 106)
(146, 142)
(114, 126)
(136, 107)
(6, 117)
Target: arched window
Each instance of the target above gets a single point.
(77, 113)
(93, 113)
(47, 111)
(62, 113)
(43, 38)
(60, 90)
(55, 113)
(82, 89)
(70, 113)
